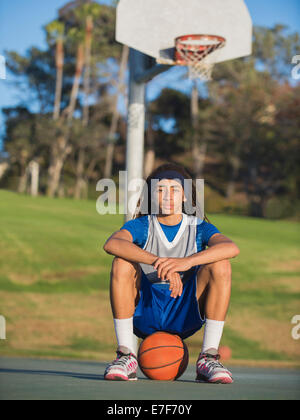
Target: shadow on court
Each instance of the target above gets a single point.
(29, 379)
(51, 372)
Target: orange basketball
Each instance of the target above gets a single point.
(225, 352)
(163, 356)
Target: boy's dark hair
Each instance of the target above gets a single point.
(170, 166)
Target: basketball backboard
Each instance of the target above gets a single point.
(151, 26)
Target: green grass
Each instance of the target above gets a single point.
(54, 247)
(41, 238)
(249, 349)
(88, 344)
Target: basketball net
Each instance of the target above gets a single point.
(199, 53)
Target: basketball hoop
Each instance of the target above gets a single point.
(199, 53)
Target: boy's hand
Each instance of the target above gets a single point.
(175, 285)
(167, 266)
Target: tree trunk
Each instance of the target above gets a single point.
(23, 180)
(80, 185)
(235, 166)
(255, 198)
(149, 162)
(91, 167)
(61, 189)
(34, 178)
(53, 169)
(115, 117)
(257, 206)
(60, 148)
(87, 71)
(109, 159)
(54, 173)
(3, 168)
(59, 78)
(59, 151)
(75, 87)
(58, 88)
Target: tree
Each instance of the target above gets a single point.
(55, 34)
(20, 141)
(170, 119)
(97, 23)
(201, 127)
(57, 89)
(115, 113)
(273, 49)
(245, 95)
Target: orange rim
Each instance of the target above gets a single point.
(184, 50)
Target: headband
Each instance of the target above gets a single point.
(170, 175)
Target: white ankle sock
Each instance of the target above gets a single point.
(125, 335)
(212, 334)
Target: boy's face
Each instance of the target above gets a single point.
(170, 196)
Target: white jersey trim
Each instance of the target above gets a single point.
(162, 235)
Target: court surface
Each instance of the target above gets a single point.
(80, 380)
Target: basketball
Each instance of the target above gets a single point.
(225, 352)
(163, 356)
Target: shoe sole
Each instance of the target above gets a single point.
(215, 380)
(116, 377)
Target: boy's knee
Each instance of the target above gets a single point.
(220, 269)
(119, 267)
(122, 269)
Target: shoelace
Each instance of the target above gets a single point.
(213, 362)
(121, 359)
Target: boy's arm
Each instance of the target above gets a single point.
(219, 248)
(121, 245)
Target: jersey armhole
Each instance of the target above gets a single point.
(146, 231)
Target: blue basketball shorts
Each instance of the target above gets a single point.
(158, 311)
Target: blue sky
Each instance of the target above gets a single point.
(21, 23)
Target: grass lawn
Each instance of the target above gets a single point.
(54, 279)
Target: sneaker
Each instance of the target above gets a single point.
(123, 368)
(209, 369)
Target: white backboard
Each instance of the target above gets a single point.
(151, 26)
